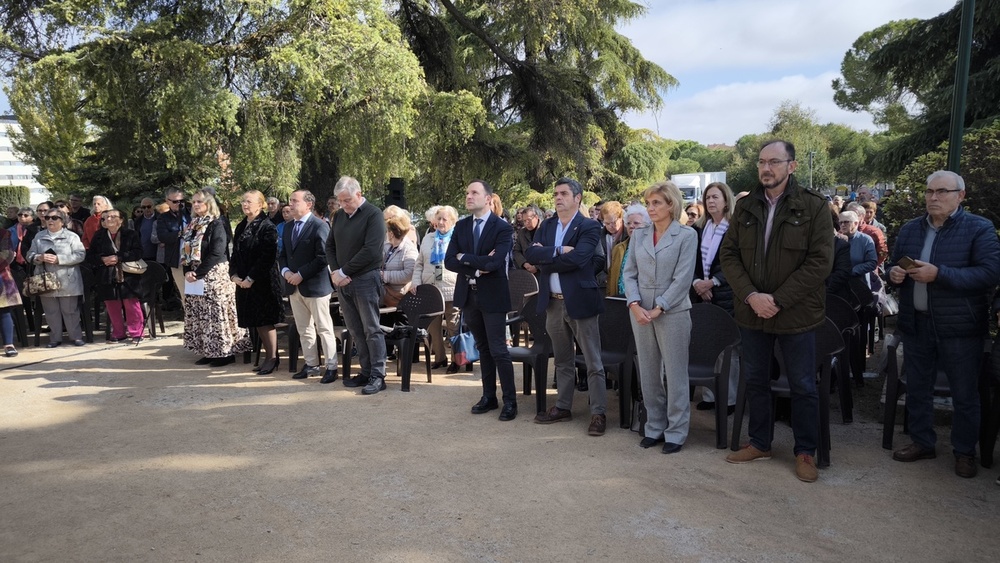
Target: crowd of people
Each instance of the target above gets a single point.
(769, 257)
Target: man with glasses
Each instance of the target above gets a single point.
(144, 225)
(777, 255)
(74, 225)
(612, 216)
(864, 260)
(531, 216)
(169, 227)
(946, 263)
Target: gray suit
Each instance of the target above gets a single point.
(661, 275)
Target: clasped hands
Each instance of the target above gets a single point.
(245, 284)
(704, 289)
(645, 316)
(763, 304)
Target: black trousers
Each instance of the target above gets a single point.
(494, 357)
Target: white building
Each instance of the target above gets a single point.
(13, 170)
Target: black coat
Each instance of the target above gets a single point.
(255, 249)
(721, 295)
(129, 248)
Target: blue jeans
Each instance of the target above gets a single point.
(359, 305)
(960, 358)
(799, 354)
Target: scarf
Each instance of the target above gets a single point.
(711, 239)
(21, 231)
(441, 242)
(191, 240)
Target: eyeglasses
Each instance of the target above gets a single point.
(940, 192)
(773, 163)
(24, 214)
(146, 206)
(111, 218)
(53, 218)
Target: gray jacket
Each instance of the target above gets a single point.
(69, 249)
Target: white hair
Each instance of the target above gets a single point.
(347, 184)
(636, 209)
(955, 178)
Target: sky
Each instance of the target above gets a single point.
(737, 60)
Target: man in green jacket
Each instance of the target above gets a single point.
(777, 255)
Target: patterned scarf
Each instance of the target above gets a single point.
(191, 240)
(441, 242)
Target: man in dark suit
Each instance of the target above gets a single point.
(478, 252)
(565, 252)
(169, 227)
(303, 264)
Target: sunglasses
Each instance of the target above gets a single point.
(176, 200)
(146, 206)
(24, 214)
(53, 218)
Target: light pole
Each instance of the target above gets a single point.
(811, 155)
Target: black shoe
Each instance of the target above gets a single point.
(268, 366)
(452, 368)
(582, 385)
(672, 448)
(375, 384)
(53, 344)
(438, 365)
(648, 442)
(224, 361)
(79, 342)
(330, 376)
(307, 370)
(730, 409)
(468, 368)
(485, 405)
(705, 405)
(203, 362)
(356, 381)
(509, 412)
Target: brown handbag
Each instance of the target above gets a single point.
(392, 297)
(40, 284)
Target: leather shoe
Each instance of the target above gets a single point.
(913, 452)
(330, 376)
(509, 412)
(452, 368)
(965, 466)
(268, 366)
(671, 448)
(485, 405)
(307, 370)
(356, 381)
(439, 365)
(649, 442)
(79, 342)
(598, 423)
(375, 384)
(554, 414)
(705, 406)
(53, 344)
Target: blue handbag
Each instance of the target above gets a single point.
(463, 346)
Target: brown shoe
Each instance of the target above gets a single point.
(805, 468)
(747, 454)
(965, 466)
(597, 424)
(913, 452)
(555, 414)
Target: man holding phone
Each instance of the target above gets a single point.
(946, 264)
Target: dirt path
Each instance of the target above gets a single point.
(116, 453)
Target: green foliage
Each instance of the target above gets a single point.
(14, 195)
(682, 165)
(980, 170)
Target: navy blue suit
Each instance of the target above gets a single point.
(576, 269)
(307, 258)
(486, 303)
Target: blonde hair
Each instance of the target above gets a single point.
(612, 210)
(497, 205)
(259, 197)
(671, 194)
(211, 206)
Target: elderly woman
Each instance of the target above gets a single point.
(636, 217)
(210, 324)
(709, 284)
(93, 223)
(112, 245)
(10, 297)
(400, 259)
(657, 274)
(694, 211)
(58, 250)
(430, 269)
(254, 270)
(399, 212)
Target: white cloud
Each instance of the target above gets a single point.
(724, 113)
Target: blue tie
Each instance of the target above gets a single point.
(295, 232)
(476, 231)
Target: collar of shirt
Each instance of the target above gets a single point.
(484, 216)
(363, 200)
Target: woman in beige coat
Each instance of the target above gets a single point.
(430, 270)
(658, 273)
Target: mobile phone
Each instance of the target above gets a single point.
(906, 263)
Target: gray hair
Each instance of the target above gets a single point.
(534, 209)
(636, 209)
(347, 184)
(106, 201)
(856, 208)
(26, 210)
(849, 216)
(955, 178)
(272, 199)
(431, 213)
(448, 210)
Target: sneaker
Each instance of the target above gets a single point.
(375, 384)
(598, 423)
(805, 468)
(9, 351)
(748, 454)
